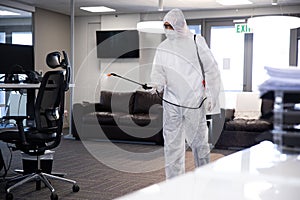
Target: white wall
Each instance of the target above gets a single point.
(124, 67)
(90, 73)
(86, 71)
(51, 33)
(119, 22)
(148, 44)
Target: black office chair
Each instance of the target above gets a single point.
(46, 134)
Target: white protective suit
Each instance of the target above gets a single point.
(177, 71)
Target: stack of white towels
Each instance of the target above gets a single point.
(287, 79)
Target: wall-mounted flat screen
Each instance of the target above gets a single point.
(117, 44)
(12, 56)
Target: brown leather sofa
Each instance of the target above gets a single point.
(120, 116)
(240, 133)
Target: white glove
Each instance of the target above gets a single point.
(152, 90)
(155, 88)
(209, 104)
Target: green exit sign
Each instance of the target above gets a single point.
(242, 28)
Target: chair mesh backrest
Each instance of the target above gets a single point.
(49, 105)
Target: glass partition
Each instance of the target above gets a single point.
(15, 24)
(16, 29)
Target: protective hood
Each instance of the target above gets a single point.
(176, 18)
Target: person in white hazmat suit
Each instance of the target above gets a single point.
(176, 71)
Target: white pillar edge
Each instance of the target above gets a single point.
(72, 15)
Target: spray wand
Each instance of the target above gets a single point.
(146, 87)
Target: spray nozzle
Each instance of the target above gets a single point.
(111, 74)
(146, 87)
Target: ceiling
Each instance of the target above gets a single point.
(143, 6)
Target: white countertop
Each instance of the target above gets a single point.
(19, 85)
(257, 173)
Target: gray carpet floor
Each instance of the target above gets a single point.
(103, 170)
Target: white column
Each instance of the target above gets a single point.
(72, 8)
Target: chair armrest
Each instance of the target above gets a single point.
(229, 114)
(157, 110)
(16, 118)
(79, 110)
(19, 122)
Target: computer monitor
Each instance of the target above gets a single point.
(14, 57)
(117, 44)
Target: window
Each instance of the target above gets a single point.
(196, 29)
(229, 54)
(298, 47)
(242, 56)
(270, 48)
(2, 37)
(14, 30)
(24, 38)
(298, 57)
(195, 26)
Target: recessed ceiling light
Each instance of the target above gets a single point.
(269, 22)
(239, 21)
(274, 2)
(7, 13)
(151, 26)
(97, 9)
(234, 2)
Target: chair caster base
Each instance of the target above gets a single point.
(54, 196)
(75, 188)
(9, 196)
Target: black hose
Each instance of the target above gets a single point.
(146, 87)
(174, 104)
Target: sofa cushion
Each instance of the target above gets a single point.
(229, 114)
(117, 101)
(103, 118)
(267, 110)
(248, 105)
(105, 100)
(250, 125)
(143, 102)
(140, 120)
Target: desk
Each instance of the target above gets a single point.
(17, 86)
(258, 173)
(30, 95)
